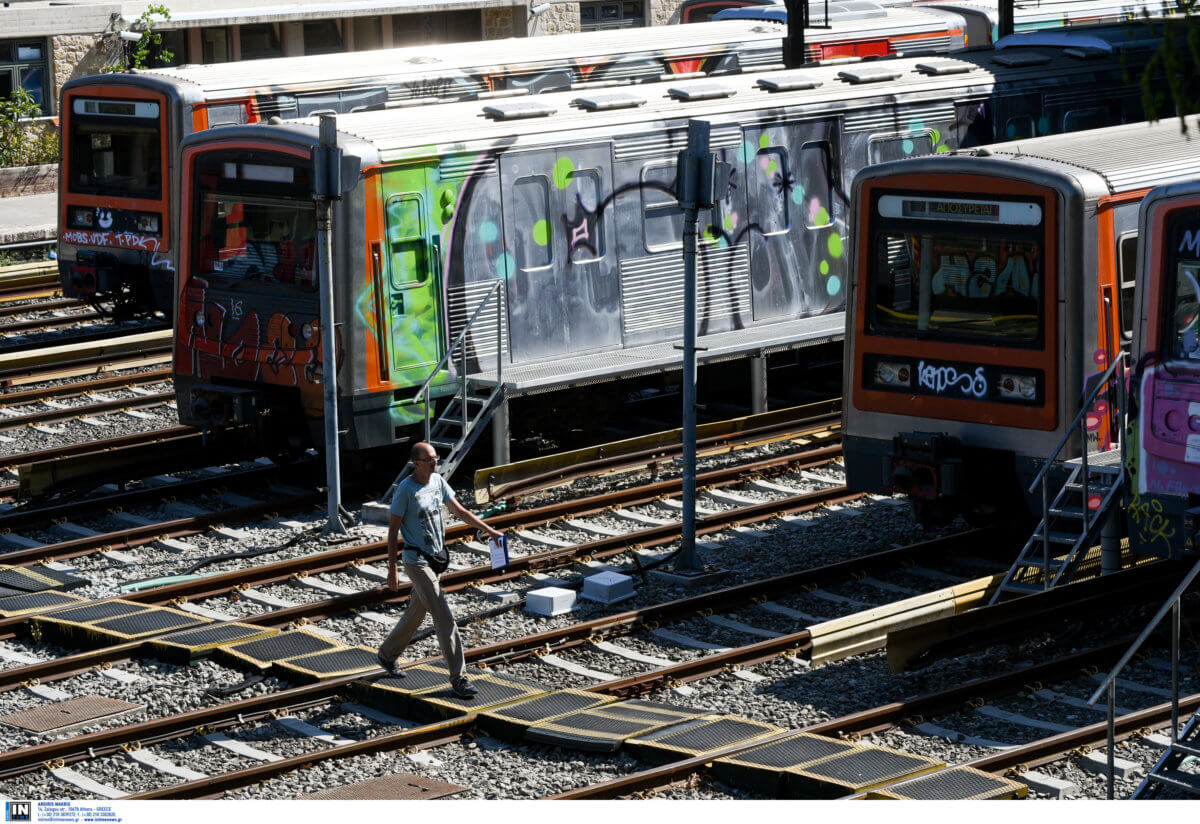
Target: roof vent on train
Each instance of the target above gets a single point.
(869, 74)
(666, 77)
(1016, 59)
(1085, 52)
(701, 91)
(789, 82)
(518, 109)
(939, 67)
(612, 100)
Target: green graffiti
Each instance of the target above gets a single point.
(824, 267)
(942, 149)
(727, 222)
(822, 217)
(835, 245)
(563, 170)
(763, 141)
(541, 232)
(772, 166)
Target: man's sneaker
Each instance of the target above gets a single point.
(463, 688)
(390, 666)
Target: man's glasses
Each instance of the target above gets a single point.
(426, 460)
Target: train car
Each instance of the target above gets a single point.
(980, 20)
(1162, 450)
(121, 131)
(988, 286)
(564, 204)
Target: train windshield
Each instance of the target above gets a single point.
(952, 279)
(1183, 326)
(114, 148)
(257, 239)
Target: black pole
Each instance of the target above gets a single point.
(793, 44)
(1007, 23)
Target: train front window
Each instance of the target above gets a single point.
(115, 148)
(939, 275)
(257, 239)
(1184, 323)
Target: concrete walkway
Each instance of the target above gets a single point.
(28, 218)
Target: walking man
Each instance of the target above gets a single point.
(416, 514)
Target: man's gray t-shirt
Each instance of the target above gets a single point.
(419, 509)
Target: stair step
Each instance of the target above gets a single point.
(1038, 562)
(1075, 512)
(442, 443)
(1068, 538)
(1190, 782)
(1179, 746)
(1017, 586)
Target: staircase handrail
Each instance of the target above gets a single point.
(1109, 684)
(1070, 430)
(424, 390)
(1150, 627)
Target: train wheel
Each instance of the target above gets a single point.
(935, 513)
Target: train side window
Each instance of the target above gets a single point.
(535, 231)
(583, 190)
(1127, 280)
(406, 239)
(815, 183)
(1019, 127)
(899, 145)
(1077, 120)
(772, 181)
(663, 217)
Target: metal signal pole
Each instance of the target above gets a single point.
(327, 187)
(700, 182)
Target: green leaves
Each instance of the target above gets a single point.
(22, 142)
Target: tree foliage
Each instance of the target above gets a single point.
(23, 141)
(147, 50)
(1170, 82)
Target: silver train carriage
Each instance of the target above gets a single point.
(565, 204)
(117, 215)
(988, 287)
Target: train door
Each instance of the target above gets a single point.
(413, 280)
(563, 293)
(796, 251)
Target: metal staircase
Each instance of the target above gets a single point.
(462, 419)
(1072, 521)
(1176, 768)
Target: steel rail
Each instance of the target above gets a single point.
(134, 439)
(49, 289)
(46, 306)
(37, 324)
(84, 387)
(99, 408)
(26, 517)
(283, 571)
(97, 334)
(147, 732)
(608, 462)
(82, 365)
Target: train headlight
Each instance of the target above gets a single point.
(148, 224)
(309, 329)
(893, 374)
(83, 218)
(200, 318)
(1019, 387)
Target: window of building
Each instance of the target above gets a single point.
(261, 40)
(323, 37)
(215, 42)
(444, 27)
(23, 65)
(368, 33)
(612, 14)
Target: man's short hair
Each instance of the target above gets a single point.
(417, 451)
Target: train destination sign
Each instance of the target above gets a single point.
(1000, 212)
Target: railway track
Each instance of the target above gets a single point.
(29, 281)
(108, 353)
(611, 626)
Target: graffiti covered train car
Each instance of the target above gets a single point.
(565, 203)
(991, 290)
(117, 215)
(1162, 453)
